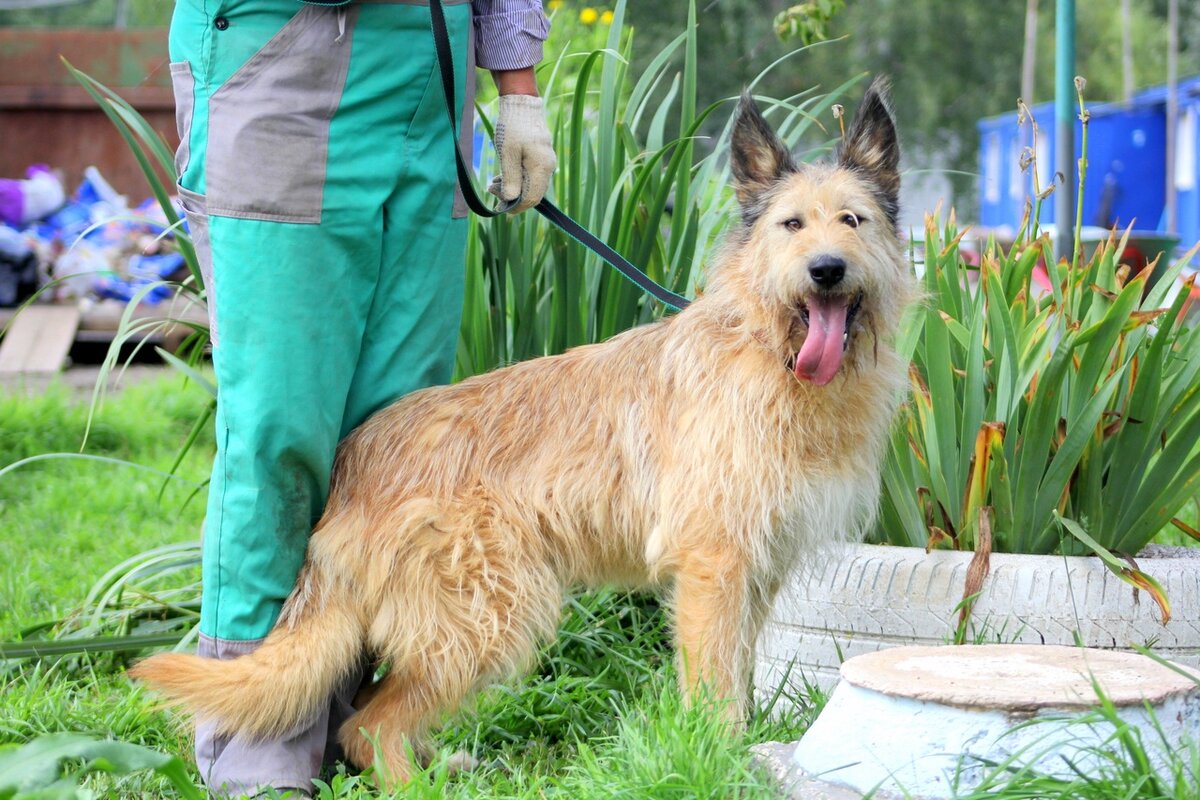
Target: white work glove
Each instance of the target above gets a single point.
(525, 151)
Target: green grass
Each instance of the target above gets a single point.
(63, 523)
(1189, 515)
(600, 717)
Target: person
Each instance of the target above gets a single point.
(317, 175)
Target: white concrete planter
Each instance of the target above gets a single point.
(871, 597)
(934, 722)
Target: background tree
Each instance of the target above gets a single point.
(951, 61)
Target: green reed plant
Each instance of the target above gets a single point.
(1065, 421)
(1060, 421)
(150, 599)
(635, 170)
(157, 164)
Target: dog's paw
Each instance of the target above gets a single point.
(461, 761)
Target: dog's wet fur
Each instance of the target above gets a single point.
(707, 454)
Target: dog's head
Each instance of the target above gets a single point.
(820, 241)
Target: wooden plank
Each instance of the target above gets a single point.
(39, 340)
(48, 97)
(46, 117)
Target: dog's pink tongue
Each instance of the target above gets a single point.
(821, 354)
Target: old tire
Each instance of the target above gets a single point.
(871, 597)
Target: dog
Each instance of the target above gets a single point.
(701, 454)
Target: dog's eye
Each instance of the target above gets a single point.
(794, 224)
(851, 219)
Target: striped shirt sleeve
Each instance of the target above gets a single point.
(509, 33)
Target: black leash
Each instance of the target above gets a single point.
(441, 40)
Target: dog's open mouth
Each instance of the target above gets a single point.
(828, 319)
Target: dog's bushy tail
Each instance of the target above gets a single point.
(271, 691)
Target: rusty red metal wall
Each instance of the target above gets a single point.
(46, 117)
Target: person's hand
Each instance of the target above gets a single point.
(525, 151)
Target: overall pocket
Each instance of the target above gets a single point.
(184, 86)
(194, 208)
(268, 130)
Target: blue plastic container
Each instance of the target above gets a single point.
(1127, 180)
(1003, 188)
(1186, 180)
(1126, 170)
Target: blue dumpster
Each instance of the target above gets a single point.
(1126, 181)
(1002, 187)
(1186, 180)
(1187, 172)
(1126, 166)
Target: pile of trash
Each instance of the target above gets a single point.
(89, 245)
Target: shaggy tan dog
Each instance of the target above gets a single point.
(702, 453)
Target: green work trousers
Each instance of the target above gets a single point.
(317, 172)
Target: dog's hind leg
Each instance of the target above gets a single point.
(468, 612)
(393, 719)
(711, 604)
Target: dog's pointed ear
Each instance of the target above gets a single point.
(758, 157)
(872, 149)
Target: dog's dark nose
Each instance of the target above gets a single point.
(827, 271)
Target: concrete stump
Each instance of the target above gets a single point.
(932, 721)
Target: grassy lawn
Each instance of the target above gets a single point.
(598, 718)
(64, 522)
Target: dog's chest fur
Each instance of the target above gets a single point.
(773, 466)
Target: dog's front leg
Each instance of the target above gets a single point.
(711, 604)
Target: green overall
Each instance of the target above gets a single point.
(317, 172)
